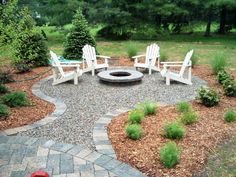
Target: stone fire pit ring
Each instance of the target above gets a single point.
(120, 76)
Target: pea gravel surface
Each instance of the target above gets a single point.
(91, 99)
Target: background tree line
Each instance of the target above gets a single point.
(122, 19)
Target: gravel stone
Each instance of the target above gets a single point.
(92, 99)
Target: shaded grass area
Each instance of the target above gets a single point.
(174, 46)
(222, 162)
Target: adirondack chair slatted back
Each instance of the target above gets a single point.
(152, 52)
(89, 54)
(187, 62)
(56, 63)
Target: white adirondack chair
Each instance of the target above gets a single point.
(185, 65)
(152, 54)
(59, 75)
(90, 57)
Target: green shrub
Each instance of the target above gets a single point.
(3, 89)
(230, 116)
(78, 37)
(134, 131)
(170, 154)
(163, 56)
(219, 62)
(30, 51)
(136, 116)
(184, 107)
(5, 77)
(4, 111)
(189, 118)
(148, 107)
(15, 99)
(222, 76)
(230, 87)
(132, 50)
(174, 130)
(208, 97)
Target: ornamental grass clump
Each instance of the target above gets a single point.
(15, 99)
(4, 111)
(134, 131)
(3, 89)
(230, 116)
(174, 130)
(132, 50)
(183, 107)
(136, 116)
(188, 118)
(208, 97)
(170, 154)
(148, 107)
(219, 62)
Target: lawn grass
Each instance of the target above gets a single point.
(223, 161)
(174, 46)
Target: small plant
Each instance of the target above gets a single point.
(132, 50)
(3, 89)
(230, 87)
(208, 97)
(15, 99)
(219, 62)
(189, 118)
(222, 76)
(22, 68)
(230, 116)
(4, 111)
(148, 107)
(184, 107)
(170, 154)
(174, 130)
(134, 131)
(136, 116)
(163, 56)
(5, 77)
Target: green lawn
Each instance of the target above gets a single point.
(174, 46)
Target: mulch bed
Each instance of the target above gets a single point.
(201, 138)
(38, 109)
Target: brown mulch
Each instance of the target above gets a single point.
(38, 108)
(201, 138)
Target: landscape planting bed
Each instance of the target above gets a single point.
(201, 138)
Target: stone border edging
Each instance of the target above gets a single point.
(100, 136)
(60, 108)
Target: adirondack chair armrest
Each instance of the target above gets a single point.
(71, 63)
(172, 65)
(66, 66)
(138, 56)
(102, 56)
(172, 62)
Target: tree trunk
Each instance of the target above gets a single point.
(222, 20)
(209, 19)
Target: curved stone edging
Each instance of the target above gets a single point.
(60, 108)
(100, 136)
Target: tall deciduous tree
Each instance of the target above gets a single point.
(78, 37)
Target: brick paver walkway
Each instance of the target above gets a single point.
(20, 156)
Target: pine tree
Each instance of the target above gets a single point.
(78, 37)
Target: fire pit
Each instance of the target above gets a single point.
(120, 76)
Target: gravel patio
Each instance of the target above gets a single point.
(91, 99)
